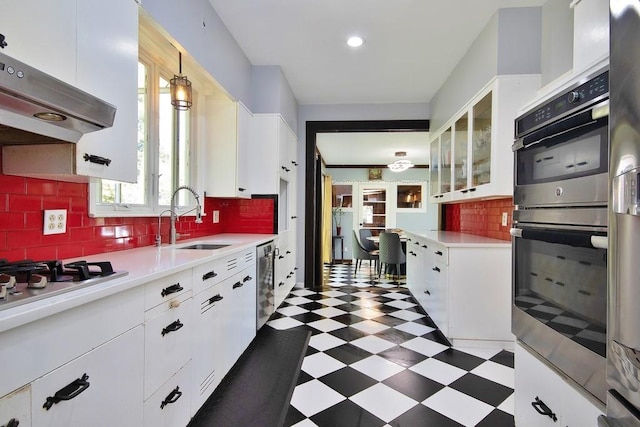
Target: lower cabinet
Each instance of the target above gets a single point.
(543, 397)
(170, 405)
(464, 288)
(100, 388)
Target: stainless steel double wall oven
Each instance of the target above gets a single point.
(560, 230)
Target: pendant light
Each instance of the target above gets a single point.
(400, 164)
(180, 88)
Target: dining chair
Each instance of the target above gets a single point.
(391, 252)
(360, 253)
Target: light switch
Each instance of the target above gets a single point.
(55, 221)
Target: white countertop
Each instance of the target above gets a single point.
(455, 239)
(143, 265)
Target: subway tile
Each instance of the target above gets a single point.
(71, 250)
(24, 203)
(82, 234)
(13, 254)
(56, 202)
(11, 221)
(105, 232)
(13, 184)
(74, 220)
(78, 204)
(24, 239)
(42, 187)
(123, 231)
(41, 253)
(33, 220)
(72, 189)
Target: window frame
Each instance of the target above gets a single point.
(152, 207)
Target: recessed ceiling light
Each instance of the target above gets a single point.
(355, 41)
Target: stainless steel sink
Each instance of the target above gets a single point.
(205, 246)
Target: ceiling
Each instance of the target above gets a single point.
(410, 48)
(372, 148)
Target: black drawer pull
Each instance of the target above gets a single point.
(280, 284)
(237, 285)
(294, 217)
(96, 159)
(412, 253)
(464, 191)
(247, 278)
(438, 253)
(68, 392)
(281, 257)
(215, 298)
(240, 190)
(294, 163)
(408, 239)
(172, 397)
(471, 190)
(171, 289)
(543, 409)
(587, 293)
(12, 422)
(172, 327)
(427, 292)
(209, 275)
(425, 246)
(436, 269)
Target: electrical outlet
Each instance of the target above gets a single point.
(55, 221)
(505, 218)
(216, 217)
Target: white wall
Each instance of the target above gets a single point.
(272, 94)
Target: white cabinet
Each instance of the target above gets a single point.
(471, 155)
(465, 289)
(275, 153)
(590, 33)
(98, 42)
(169, 406)
(228, 136)
(100, 388)
(42, 35)
(541, 390)
(16, 407)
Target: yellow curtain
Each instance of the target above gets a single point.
(327, 224)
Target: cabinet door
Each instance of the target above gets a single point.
(16, 406)
(243, 151)
(108, 68)
(434, 167)
(42, 35)
(481, 141)
(209, 342)
(436, 293)
(169, 406)
(535, 383)
(110, 395)
(460, 149)
(167, 343)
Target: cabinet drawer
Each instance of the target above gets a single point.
(51, 342)
(16, 406)
(167, 344)
(110, 393)
(437, 253)
(170, 405)
(214, 272)
(167, 288)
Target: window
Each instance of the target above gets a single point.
(164, 152)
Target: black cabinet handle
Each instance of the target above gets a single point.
(294, 163)
(436, 269)
(427, 292)
(543, 409)
(287, 253)
(408, 238)
(209, 275)
(172, 327)
(281, 257)
(12, 422)
(281, 284)
(412, 253)
(171, 289)
(425, 246)
(171, 397)
(215, 298)
(247, 278)
(417, 243)
(286, 169)
(240, 190)
(464, 191)
(438, 253)
(3, 44)
(294, 217)
(471, 190)
(237, 285)
(96, 159)
(68, 392)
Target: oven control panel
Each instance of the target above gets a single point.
(592, 90)
(626, 198)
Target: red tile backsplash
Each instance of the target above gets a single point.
(22, 201)
(482, 218)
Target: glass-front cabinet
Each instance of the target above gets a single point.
(471, 155)
(373, 208)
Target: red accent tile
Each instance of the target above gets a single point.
(13, 184)
(14, 255)
(73, 189)
(43, 187)
(33, 220)
(42, 253)
(70, 251)
(24, 239)
(123, 231)
(85, 234)
(24, 203)
(74, 219)
(11, 221)
(56, 203)
(105, 232)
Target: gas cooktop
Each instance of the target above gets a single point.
(26, 281)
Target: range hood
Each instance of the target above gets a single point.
(36, 108)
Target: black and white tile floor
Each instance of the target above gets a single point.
(375, 359)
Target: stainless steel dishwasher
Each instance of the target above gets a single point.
(265, 285)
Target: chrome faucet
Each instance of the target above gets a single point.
(158, 234)
(174, 207)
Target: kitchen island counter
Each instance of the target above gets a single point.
(457, 239)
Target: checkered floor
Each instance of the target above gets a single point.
(375, 359)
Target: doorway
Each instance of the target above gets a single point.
(313, 183)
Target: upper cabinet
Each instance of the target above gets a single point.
(93, 45)
(228, 148)
(471, 155)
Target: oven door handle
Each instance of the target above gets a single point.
(582, 240)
